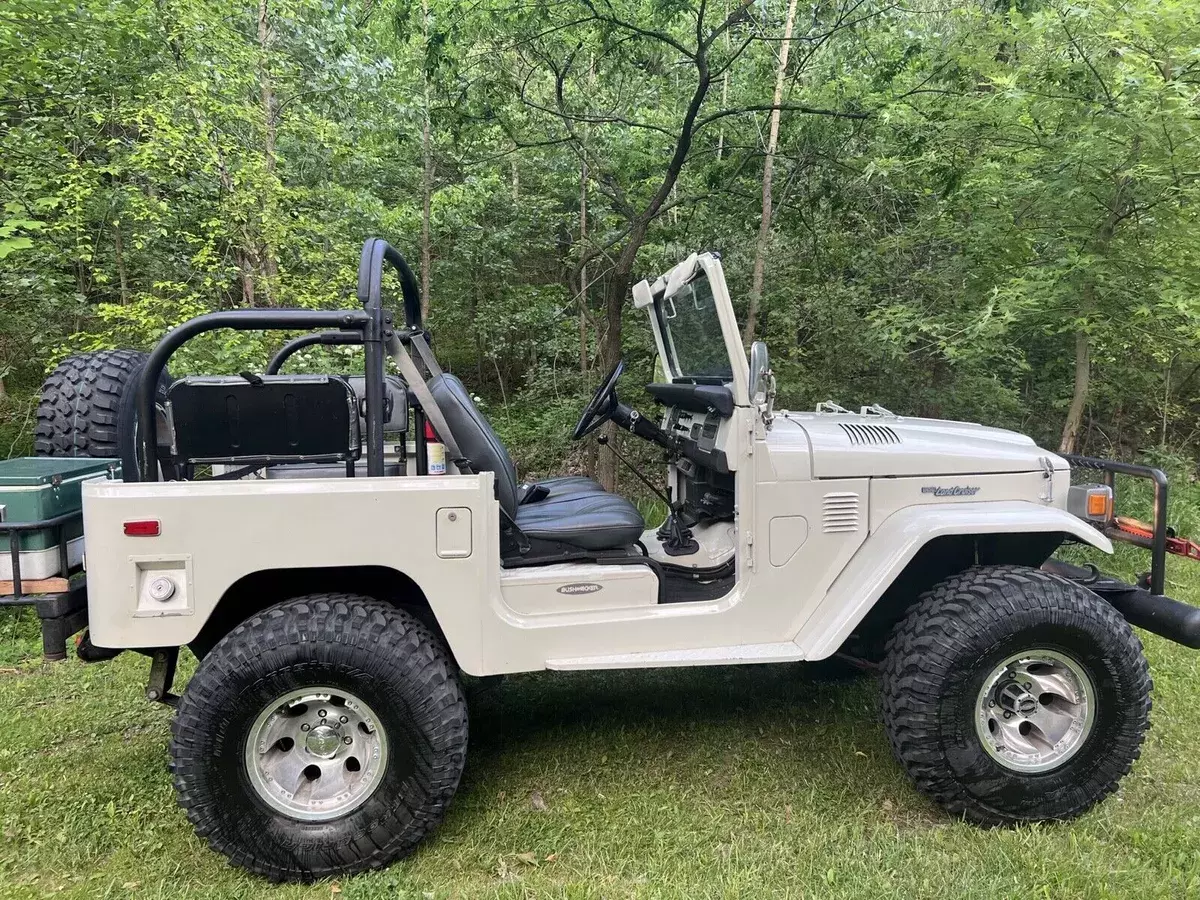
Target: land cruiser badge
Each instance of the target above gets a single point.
(955, 491)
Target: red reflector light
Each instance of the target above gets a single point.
(143, 528)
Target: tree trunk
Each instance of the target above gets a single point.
(426, 177)
(270, 265)
(1118, 209)
(619, 278)
(617, 285)
(582, 299)
(724, 94)
(583, 274)
(1083, 371)
(242, 254)
(724, 103)
(119, 254)
(764, 226)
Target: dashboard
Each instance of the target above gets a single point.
(697, 436)
(704, 482)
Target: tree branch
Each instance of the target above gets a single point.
(786, 107)
(636, 29)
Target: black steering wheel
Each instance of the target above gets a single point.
(602, 405)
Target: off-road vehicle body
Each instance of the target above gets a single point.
(325, 728)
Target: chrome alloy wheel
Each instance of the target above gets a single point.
(1035, 710)
(316, 754)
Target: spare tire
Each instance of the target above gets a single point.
(88, 406)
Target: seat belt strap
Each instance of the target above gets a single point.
(417, 339)
(433, 412)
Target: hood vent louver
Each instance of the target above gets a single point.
(870, 435)
(840, 512)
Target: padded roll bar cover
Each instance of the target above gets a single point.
(370, 274)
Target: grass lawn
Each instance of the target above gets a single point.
(740, 781)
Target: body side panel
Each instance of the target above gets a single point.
(214, 533)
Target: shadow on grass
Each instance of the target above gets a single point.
(524, 708)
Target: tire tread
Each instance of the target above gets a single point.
(78, 413)
(945, 626)
(385, 642)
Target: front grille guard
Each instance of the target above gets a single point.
(1153, 537)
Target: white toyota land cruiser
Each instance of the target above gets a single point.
(335, 593)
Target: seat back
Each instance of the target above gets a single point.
(276, 418)
(475, 437)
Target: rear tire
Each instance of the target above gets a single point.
(1012, 695)
(406, 732)
(88, 406)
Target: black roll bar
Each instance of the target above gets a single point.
(370, 278)
(371, 326)
(238, 320)
(323, 338)
(381, 332)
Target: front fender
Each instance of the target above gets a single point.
(892, 545)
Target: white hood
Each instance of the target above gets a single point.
(846, 445)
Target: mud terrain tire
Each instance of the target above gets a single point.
(937, 705)
(391, 666)
(86, 403)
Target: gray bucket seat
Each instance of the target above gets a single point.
(576, 513)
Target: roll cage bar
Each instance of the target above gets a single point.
(372, 327)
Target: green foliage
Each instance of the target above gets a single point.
(959, 191)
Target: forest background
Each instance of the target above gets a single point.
(977, 210)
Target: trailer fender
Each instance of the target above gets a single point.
(893, 543)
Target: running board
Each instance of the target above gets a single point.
(705, 656)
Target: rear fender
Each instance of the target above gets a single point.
(209, 536)
(894, 542)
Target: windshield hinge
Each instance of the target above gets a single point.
(767, 408)
(831, 406)
(1048, 475)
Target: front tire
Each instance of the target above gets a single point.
(1012, 695)
(358, 786)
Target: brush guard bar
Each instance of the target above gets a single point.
(1154, 537)
(1143, 604)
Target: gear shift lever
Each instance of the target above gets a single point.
(679, 540)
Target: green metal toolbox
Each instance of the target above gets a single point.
(40, 488)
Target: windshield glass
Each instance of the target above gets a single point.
(692, 333)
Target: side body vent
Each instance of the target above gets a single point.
(870, 434)
(840, 512)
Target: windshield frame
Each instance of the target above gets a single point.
(666, 287)
(677, 304)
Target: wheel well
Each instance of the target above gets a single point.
(936, 561)
(255, 592)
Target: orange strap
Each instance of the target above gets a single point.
(1176, 545)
